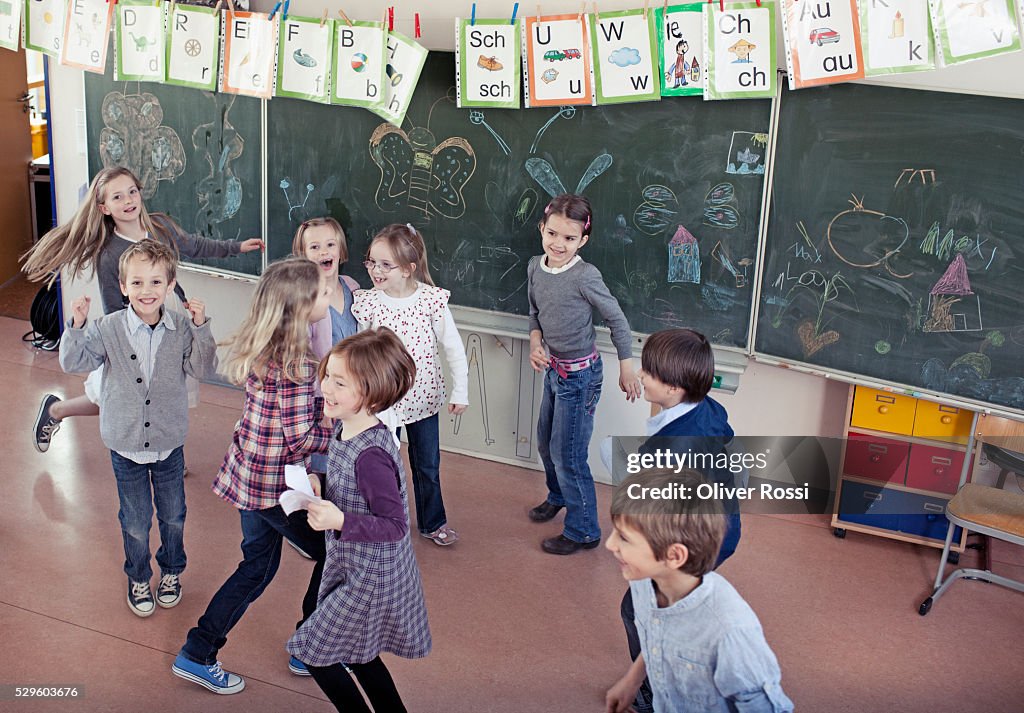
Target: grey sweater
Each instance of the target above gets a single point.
(562, 308)
(189, 245)
(133, 416)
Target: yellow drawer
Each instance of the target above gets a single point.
(883, 411)
(947, 423)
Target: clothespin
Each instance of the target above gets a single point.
(284, 12)
(645, 9)
(391, 19)
(472, 16)
(538, 11)
(515, 9)
(759, 3)
(416, 25)
(231, 9)
(216, 7)
(323, 18)
(173, 3)
(274, 11)
(345, 17)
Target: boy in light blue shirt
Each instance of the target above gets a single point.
(701, 645)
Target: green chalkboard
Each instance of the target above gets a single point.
(476, 183)
(894, 240)
(196, 153)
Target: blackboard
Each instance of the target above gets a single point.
(894, 240)
(647, 168)
(196, 153)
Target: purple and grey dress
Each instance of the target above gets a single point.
(371, 596)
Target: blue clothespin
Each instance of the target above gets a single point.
(515, 9)
(284, 12)
(472, 17)
(274, 11)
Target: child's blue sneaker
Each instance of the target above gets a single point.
(297, 667)
(212, 677)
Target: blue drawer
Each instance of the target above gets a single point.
(924, 515)
(870, 505)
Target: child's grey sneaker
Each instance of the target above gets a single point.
(442, 536)
(212, 677)
(45, 425)
(140, 599)
(297, 667)
(168, 593)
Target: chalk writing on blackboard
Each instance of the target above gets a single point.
(921, 173)
(134, 137)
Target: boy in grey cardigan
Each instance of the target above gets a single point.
(146, 352)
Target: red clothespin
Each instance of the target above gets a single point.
(391, 19)
(759, 3)
(416, 32)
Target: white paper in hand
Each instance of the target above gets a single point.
(301, 493)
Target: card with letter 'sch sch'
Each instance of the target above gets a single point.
(487, 62)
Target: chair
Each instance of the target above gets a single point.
(988, 511)
(1008, 462)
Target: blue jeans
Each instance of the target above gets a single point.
(564, 428)
(137, 497)
(425, 462)
(262, 531)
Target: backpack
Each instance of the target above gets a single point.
(45, 319)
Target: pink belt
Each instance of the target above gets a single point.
(566, 366)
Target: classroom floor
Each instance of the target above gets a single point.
(514, 629)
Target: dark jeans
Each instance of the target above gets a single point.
(373, 676)
(565, 424)
(644, 702)
(262, 531)
(425, 462)
(139, 487)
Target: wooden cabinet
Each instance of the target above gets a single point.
(902, 460)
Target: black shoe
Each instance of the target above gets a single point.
(45, 425)
(544, 512)
(562, 545)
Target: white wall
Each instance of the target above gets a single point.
(769, 401)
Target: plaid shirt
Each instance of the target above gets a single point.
(280, 425)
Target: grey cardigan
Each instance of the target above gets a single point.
(134, 417)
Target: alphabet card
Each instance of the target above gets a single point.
(139, 41)
(360, 58)
(250, 48)
(625, 57)
(974, 29)
(10, 25)
(681, 48)
(896, 36)
(487, 60)
(304, 56)
(44, 26)
(193, 47)
(556, 63)
(405, 59)
(739, 43)
(822, 42)
(86, 29)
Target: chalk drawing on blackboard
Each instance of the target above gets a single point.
(475, 356)
(683, 257)
(543, 173)
(622, 233)
(219, 192)
(910, 173)
(500, 254)
(736, 268)
(812, 341)
(419, 173)
(717, 209)
(665, 313)
(952, 305)
(875, 226)
(566, 112)
(133, 137)
(657, 211)
(524, 209)
(477, 117)
(883, 346)
(746, 149)
(285, 184)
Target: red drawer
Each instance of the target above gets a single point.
(876, 458)
(933, 468)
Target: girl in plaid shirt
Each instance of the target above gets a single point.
(371, 598)
(280, 425)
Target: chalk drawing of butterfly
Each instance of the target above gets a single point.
(419, 173)
(543, 173)
(718, 210)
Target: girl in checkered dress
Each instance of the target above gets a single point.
(405, 300)
(371, 597)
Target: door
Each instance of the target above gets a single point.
(15, 214)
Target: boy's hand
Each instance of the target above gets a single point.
(456, 409)
(325, 515)
(80, 311)
(198, 311)
(251, 244)
(619, 698)
(628, 381)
